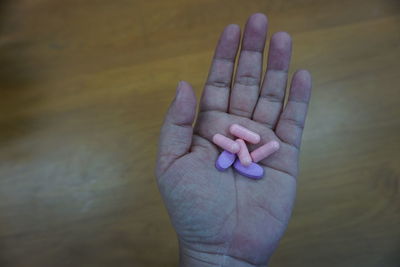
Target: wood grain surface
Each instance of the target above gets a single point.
(83, 90)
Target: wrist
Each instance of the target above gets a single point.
(189, 257)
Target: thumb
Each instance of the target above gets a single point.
(176, 132)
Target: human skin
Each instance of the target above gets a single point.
(223, 218)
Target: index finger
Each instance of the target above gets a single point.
(217, 88)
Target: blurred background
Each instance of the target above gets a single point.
(83, 90)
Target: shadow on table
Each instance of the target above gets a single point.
(4, 5)
(15, 79)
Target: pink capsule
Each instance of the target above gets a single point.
(244, 155)
(264, 151)
(244, 133)
(226, 143)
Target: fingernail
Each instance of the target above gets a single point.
(178, 89)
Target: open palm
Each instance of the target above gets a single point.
(223, 218)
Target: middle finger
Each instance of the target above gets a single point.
(245, 90)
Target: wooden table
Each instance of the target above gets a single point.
(83, 89)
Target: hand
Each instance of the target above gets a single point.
(223, 218)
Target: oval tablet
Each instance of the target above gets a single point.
(253, 171)
(225, 160)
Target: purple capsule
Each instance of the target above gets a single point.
(225, 160)
(253, 171)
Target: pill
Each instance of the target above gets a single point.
(244, 133)
(253, 171)
(243, 154)
(226, 143)
(225, 160)
(264, 151)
